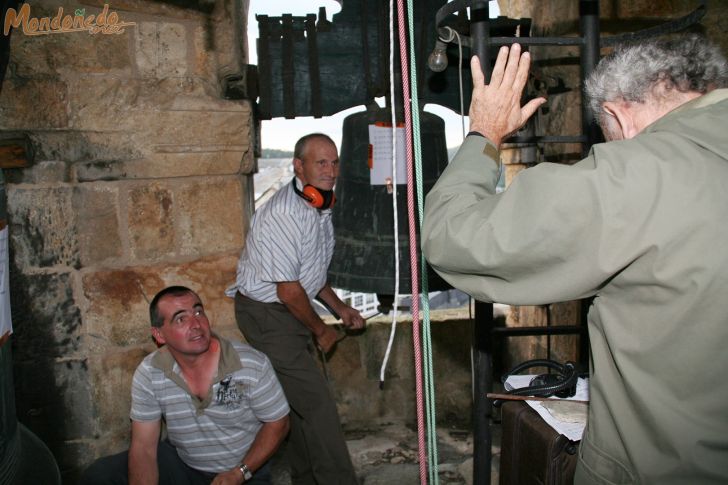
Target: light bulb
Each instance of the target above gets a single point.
(437, 61)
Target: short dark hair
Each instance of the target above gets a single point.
(155, 318)
(300, 147)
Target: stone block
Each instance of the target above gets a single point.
(43, 229)
(185, 11)
(111, 375)
(93, 148)
(96, 207)
(354, 374)
(73, 383)
(198, 232)
(176, 93)
(104, 104)
(451, 343)
(28, 57)
(33, 104)
(194, 101)
(228, 18)
(151, 221)
(164, 165)
(44, 172)
(200, 127)
(209, 277)
(46, 317)
(346, 361)
(203, 61)
(117, 308)
(400, 359)
(161, 49)
(54, 399)
(225, 330)
(195, 161)
(356, 388)
(70, 53)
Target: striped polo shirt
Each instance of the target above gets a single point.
(213, 434)
(289, 240)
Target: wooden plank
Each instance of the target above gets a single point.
(13, 154)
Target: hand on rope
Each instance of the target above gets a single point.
(495, 108)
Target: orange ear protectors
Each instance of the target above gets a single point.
(320, 199)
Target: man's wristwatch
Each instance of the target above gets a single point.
(247, 475)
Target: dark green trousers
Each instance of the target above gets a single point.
(317, 450)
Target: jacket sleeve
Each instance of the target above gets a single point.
(545, 239)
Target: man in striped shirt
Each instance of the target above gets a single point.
(224, 409)
(282, 268)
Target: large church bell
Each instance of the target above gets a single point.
(364, 259)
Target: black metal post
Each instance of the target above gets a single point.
(589, 26)
(482, 365)
(482, 384)
(480, 34)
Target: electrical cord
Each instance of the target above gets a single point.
(453, 34)
(565, 379)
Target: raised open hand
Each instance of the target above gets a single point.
(495, 108)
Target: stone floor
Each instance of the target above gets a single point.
(387, 455)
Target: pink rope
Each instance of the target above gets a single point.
(414, 262)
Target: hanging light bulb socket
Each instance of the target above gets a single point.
(437, 61)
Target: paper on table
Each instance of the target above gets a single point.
(572, 429)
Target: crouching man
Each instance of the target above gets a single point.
(224, 409)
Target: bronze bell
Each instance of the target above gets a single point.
(363, 216)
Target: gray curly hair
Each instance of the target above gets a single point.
(687, 63)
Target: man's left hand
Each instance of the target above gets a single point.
(230, 477)
(495, 108)
(352, 318)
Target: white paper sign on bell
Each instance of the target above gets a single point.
(380, 154)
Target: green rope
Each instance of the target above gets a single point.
(426, 334)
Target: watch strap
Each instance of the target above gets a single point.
(247, 475)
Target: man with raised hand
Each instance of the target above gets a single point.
(639, 224)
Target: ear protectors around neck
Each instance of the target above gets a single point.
(320, 199)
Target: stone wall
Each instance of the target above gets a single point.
(138, 179)
(354, 371)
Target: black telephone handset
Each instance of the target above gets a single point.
(562, 383)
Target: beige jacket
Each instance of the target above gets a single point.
(643, 225)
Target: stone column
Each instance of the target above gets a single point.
(137, 180)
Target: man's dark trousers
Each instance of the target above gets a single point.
(316, 447)
(113, 470)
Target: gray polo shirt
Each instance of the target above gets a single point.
(213, 434)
